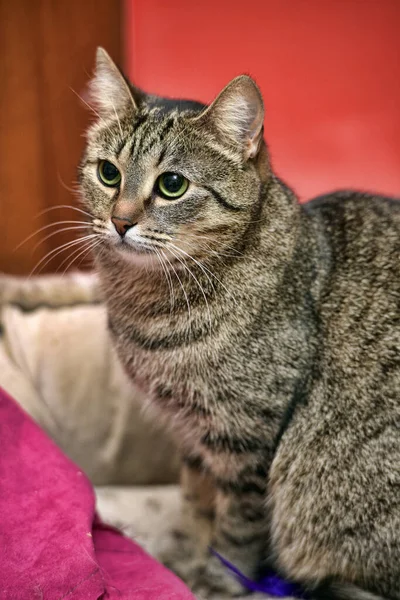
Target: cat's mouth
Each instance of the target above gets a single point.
(135, 247)
(135, 253)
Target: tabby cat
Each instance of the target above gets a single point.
(266, 335)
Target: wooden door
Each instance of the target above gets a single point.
(47, 50)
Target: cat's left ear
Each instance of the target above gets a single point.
(108, 90)
(237, 115)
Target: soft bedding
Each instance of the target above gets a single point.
(52, 544)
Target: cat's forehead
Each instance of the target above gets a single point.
(157, 116)
(156, 132)
(157, 122)
(161, 133)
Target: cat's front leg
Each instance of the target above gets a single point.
(186, 550)
(240, 535)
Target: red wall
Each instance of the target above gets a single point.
(328, 69)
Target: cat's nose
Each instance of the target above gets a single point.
(122, 225)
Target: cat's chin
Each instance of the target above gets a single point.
(139, 254)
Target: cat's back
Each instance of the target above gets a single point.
(360, 251)
(337, 467)
(355, 221)
(359, 305)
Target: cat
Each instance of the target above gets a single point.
(265, 333)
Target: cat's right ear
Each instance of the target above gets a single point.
(109, 92)
(237, 115)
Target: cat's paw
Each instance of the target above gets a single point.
(216, 581)
(180, 553)
(206, 588)
(207, 577)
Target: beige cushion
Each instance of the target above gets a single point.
(60, 366)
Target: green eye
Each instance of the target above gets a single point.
(172, 185)
(108, 174)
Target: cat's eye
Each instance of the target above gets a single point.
(171, 185)
(108, 174)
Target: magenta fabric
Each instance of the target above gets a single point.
(52, 545)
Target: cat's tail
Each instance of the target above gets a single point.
(343, 591)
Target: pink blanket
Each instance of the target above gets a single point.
(52, 546)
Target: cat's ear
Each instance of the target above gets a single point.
(237, 115)
(109, 92)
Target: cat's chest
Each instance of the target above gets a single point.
(183, 387)
(207, 394)
(160, 351)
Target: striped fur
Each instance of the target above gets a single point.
(266, 335)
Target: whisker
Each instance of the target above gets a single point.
(47, 227)
(95, 245)
(46, 210)
(211, 273)
(197, 236)
(170, 279)
(76, 227)
(119, 122)
(89, 250)
(197, 263)
(65, 186)
(53, 253)
(74, 252)
(198, 283)
(86, 103)
(209, 251)
(89, 245)
(183, 289)
(167, 275)
(92, 109)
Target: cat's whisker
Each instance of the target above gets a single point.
(57, 206)
(66, 187)
(73, 253)
(167, 275)
(86, 103)
(47, 227)
(208, 278)
(77, 253)
(178, 249)
(209, 251)
(176, 139)
(100, 230)
(75, 228)
(118, 121)
(210, 239)
(183, 289)
(208, 270)
(56, 251)
(92, 109)
(95, 244)
(183, 263)
(170, 280)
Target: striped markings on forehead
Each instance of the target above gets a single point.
(147, 132)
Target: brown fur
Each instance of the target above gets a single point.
(266, 336)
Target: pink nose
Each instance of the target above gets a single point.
(122, 225)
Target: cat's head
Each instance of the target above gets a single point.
(172, 176)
